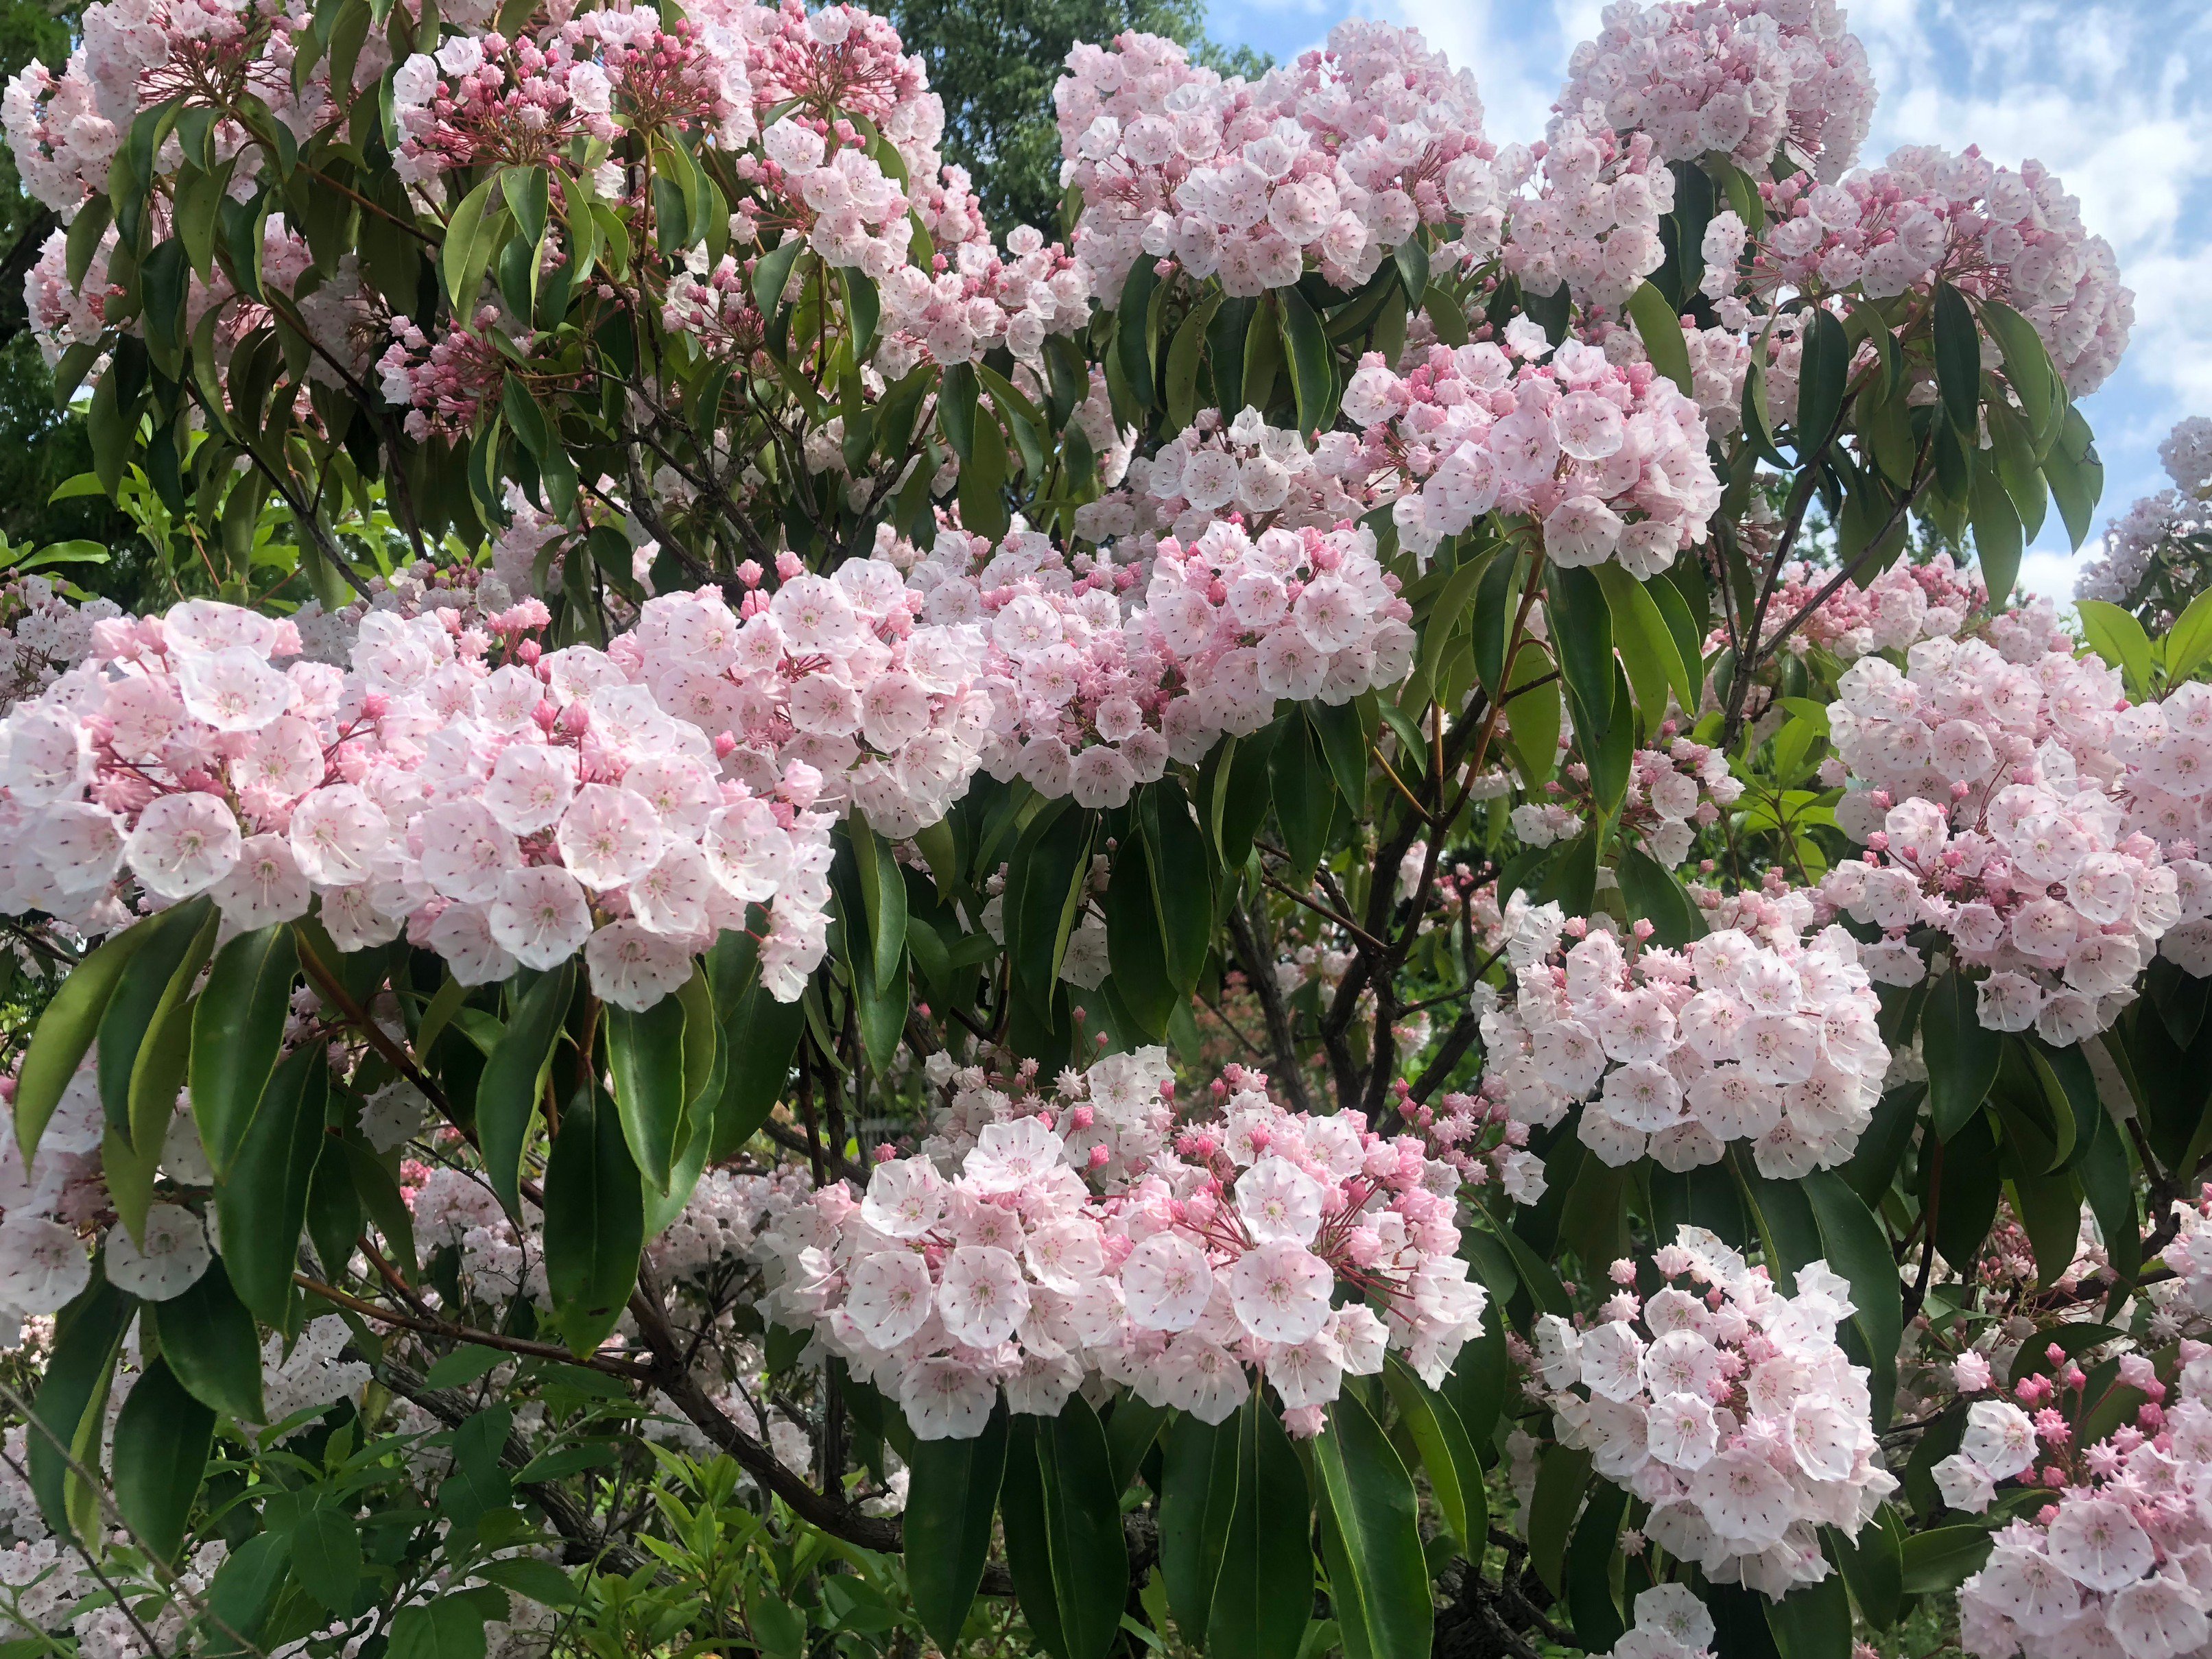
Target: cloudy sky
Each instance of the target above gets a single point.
(2113, 95)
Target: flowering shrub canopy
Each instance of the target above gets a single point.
(1350, 912)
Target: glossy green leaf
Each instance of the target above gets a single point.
(1263, 1595)
(2075, 474)
(1063, 1532)
(1306, 349)
(1378, 1577)
(594, 1221)
(65, 1030)
(1561, 1479)
(1998, 540)
(760, 1039)
(1454, 1471)
(1942, 1559)
(1962, 1055)
(1131, 1430)
(952, 1493)
(451, 1627)
(208, 1339)
(1304, 793)
(883, 890)
(1813, 1621)
(2188, 642)
(2118, 638)
(645, 1060)
(168, 947)
(1824, 370)
(1873, 1565)
(1661, 331)
(87, 1338)
(238, 1027)
(1857, 1248)
(1180, 870)
(1198, 1497)
(1646, 645)
(162, 1439)
(1958, 361)
(1587, 1573)
(1581, 634)
(513, 1080)
(261, 1202)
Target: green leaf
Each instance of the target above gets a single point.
(1646, 644)
(162, 1439)
(1813, 1621)
(1312, 378)
(326, 1556)
(66, 1032)
(1371, 1536)
(451, 1627)
(594, 1220)
(645, 1060)
(772, 270)
(1873, 1565)
(1561, 1479)
(1654, 894)
(1134, 947)
(263, 1200)
(1661, 331)
(1130, 1430)
(1180, 869)
(238, 1026)
(1198, 1497)
(2075, 474)
(1857, 1248)
(1304, 794)
(863, 307)
(2190, 641)
(1942, 1559)
(1959, 363)
(2119, 639)
(1132, 330)
(883, 891)
(2027, 366)
(1454, 1471)
(1343, 744)
(147, 976)
(87, 1337)
(1962, 1055)
(208, 1339)
(761, 1038)
(1998, 541)
(1185, 353)
(952, 1493)
(1581, 634)
(1264, 1593)
(244, 1588)
(457, 252)
(1063, 1532)
(513, 1080)
(1044, 887)
(1824, 370)
(1588, 1570)
(525, 1575)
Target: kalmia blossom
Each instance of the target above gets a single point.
(1728, 1407)
(2156, 549)
(1743, 77)
(1762, 1031)
(1328, 162)
(502, 804)
(1927, 215)
(2116, 1560)
(1610, 458)
(1592, 226)
(1269, 475)
(1904, 604)
(1987, 807)
(1194, 1248)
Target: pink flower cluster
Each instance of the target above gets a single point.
(503, 805)
(1904, 604)
(1091, 696)
(1925, 215)
(1673, 792)
(1754, 1032)
(1269, 475)
(2120, 1559)
(1325, 163)
(980, 299)
(1987, 810)
(2157, 531)
(1593, 224)
(1743, 77)
(1086, 1239)
(1612, 458)
(1728, 1407)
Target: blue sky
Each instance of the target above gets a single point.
(2115, 96)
